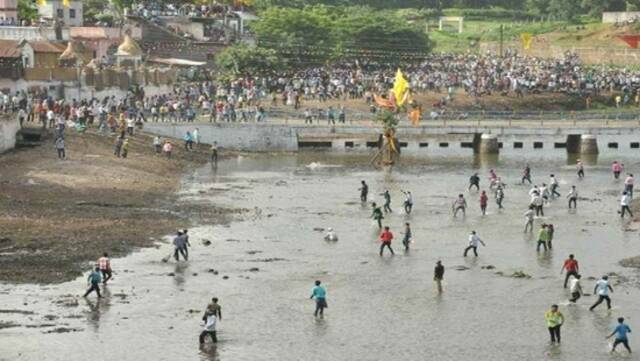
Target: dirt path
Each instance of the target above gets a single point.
(56, 216)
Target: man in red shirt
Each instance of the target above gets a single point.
(572, 268)
(385, 237)
(483, 202)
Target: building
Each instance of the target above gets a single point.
(102, 41)
(10, 62)
(41, 54)
(54, 9)
(9, 11)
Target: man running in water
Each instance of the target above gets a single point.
(554, 319)
(616, 169)
(580, 168)
(364, 191)
(625, 201)
(406, 240)
(408, 202)
(528, 217)
(538, 203)
(459, 204)
(474, 181)
(526, 174)
(543, 238)
(385, 239)
(553, 183)
(387, 201)
(438, 275)
(571, 266)
(474, 240)
(575, 288)
(628, 185)
(602, 289)
(484, 199)
(320, 294)
(499, 196)
(573, 197)
(377, 214)
(621, 335)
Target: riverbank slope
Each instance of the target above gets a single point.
(56, 215)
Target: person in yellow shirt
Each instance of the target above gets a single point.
(554, 319)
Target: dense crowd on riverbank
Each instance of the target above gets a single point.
(247, 98)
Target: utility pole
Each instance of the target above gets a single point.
(501, 38)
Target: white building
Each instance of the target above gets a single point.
(70, 16)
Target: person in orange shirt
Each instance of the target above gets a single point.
(385, 238)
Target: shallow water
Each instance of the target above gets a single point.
(379, 308)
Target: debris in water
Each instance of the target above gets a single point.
(488, 267)
(520, 274)
(461, 268)
(225, 277)
(254, 269)
(206, 242)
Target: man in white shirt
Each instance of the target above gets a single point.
(575, 288)
(602, 289)
(625, 201)
(528, 217)
(553, 183)
(473, 244)
(573, 197)
(209, 328)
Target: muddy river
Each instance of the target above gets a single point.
(262, 268)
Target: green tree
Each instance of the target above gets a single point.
(538, 7)
(241, 58)
(595, 8)
(27, 10)
(379, 35)
(565, 9)
(295, 33)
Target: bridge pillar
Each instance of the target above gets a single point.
(588, 144)
(488, 144)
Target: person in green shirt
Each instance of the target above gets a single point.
(543, 238)
(554, 319)
(377, 214)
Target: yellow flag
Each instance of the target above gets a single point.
(527, 39)
(66, 3)
(400, 88)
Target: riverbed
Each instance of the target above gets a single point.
(380, 308)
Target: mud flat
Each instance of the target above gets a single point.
(56, 216)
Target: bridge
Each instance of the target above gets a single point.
(440, 137)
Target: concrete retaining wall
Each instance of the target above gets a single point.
(248, 137)
(9, 127)
(419, 140)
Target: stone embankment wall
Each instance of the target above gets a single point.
(9, 127)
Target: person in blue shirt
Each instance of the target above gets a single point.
(320, 294)
(621, 335)
(94, 279)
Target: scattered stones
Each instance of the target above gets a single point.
(274, 259)
(632, 262)
(211, 270)
(4, 324)
(171, 274)
(225, 277)
(206, 242)
(67, 301)
(64, 330)
(22, 312)
(520, 274)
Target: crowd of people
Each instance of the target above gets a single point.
(251, 97)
